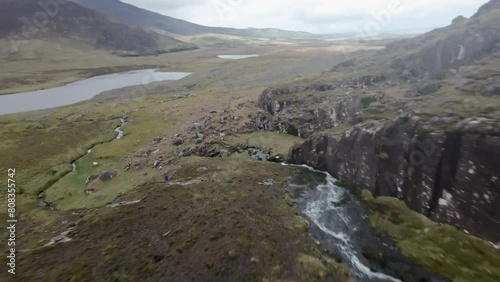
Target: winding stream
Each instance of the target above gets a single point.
(118, 130)
(120, 134)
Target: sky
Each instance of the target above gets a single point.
(318, 16)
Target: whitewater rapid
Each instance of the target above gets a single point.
(335, 213)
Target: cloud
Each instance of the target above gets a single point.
(319, 16)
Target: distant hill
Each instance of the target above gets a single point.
(27, 19)
(465, 41)
(136, 16)
(440, 52)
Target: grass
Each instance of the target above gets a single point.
(42, 145)
(442, 249)
(40, 155)
(224, 226)
(142, 128)
(367, 101)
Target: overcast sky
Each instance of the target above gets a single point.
(318, 16)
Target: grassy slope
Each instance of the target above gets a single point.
(58, 62)
(442, 249)
(275, 142)
(225, 225)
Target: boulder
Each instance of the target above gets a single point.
(178, 140)
(492, 89)
(107, 175)
(170, 174)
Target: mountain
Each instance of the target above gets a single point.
(136, 16)
(30, 19)
(432, 55)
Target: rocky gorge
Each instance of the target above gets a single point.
(403, 125)
(452, 177)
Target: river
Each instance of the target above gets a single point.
(342, 226)
(81, 90)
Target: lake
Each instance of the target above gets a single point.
(237, 57)
(81, 90)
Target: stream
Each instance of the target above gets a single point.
(120, 134)
(342, 226)
(118, 130)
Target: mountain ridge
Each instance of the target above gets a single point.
(28, 19)
(147, 19)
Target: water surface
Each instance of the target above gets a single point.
(81, 90)
(342, 226)
(237, 57)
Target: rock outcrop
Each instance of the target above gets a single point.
(431, 55)
(450, 175)
(303, 110)
(409, 135)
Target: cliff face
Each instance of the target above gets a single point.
(430, 56)
(303, 110)
(451, 176)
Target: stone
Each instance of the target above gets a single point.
(107, 176)
(90, 179)
(424, 89)
(88, 192)
(62, 238)
(178, 141)
(170, 174)
(157, 140)
(491, 89)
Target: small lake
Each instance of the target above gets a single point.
(237, 57)
(81, 90)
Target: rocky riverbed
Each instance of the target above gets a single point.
(343, 228)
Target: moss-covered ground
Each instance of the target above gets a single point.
(442, 249)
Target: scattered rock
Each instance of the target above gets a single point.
(90, 179)
(62, 238)
(178, 141)
(183, 95)
(202, 169)
(106, 176)
(424, 89)
(170, 174)
(224, 153)
(88, 192)
(269, 182)
(276, 159)
(492, 89)
(125, 203)
(197, 128)
(157, 140)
